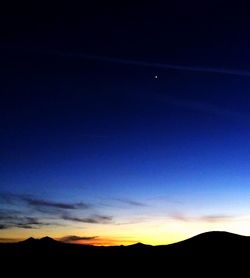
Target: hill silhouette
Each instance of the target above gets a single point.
(39, 242)
(209, 251)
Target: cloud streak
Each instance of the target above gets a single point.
(97, 241)
(213, 218)
(3, 226)
(131, 202)
(216, 218)
(72, 238)
(37, 203)
(31, 212)
(11, 219)
(200, 106)
(8, 240)
(40, 203)
(96, 219)
(141, 63)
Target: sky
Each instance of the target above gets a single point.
(122, 124)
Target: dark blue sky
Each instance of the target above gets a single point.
(106, 132)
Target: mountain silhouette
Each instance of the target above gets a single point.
(47, 239)
(214, 239)
(29, 240)
(139, 245)
(209, 251)
(42, 242)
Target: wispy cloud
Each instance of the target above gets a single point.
(133, 221)
(89, 135)
(31, 213)
(98, 241)
(140, 63)
(200, 106)
(179, 217)
(145, 64)
(9, 198)
(131, 202)
(216, 218)
(204, 218)
(10, 219)
(72, 238)
(8, 240)
(40, 203)
(96, 219)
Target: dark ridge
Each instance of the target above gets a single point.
(139, 245)
(214, 238)
(215, 235)
(42, 242)
(47, 239)
(211, 251)
(28, 240)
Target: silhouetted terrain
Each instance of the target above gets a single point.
(208, 252)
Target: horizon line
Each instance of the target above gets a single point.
(59, 240)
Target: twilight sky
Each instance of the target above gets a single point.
(95, 149)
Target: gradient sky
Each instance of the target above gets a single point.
(95, 149)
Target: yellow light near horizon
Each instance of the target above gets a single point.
(154, 232)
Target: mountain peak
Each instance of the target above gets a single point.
(47, 239)
(139, 245)
(220, 235)
(29, 240)
(44, 241)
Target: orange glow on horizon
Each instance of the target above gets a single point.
(104, 242)
(158, 231)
